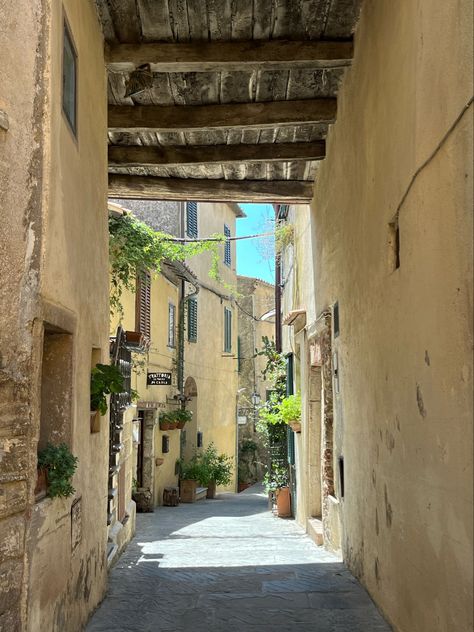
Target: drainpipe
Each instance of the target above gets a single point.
(278, 344)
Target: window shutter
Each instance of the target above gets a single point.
(227, 330)
(227, 252)
(192, 319)
(143, 304)
(191, 219)
(171, 324)
(289, 375)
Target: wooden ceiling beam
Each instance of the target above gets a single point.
(153, 188)
(134, 156)
(218, 56)
(133, 118)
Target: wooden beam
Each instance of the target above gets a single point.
(153, 188)
(217, 56)
(134, 156)
(123, 118)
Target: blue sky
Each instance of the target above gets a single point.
(255, 256)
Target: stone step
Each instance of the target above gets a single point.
(314, 528)
(201, 493)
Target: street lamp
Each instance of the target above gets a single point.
(255, 399)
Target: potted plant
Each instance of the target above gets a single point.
(164, 421)
(189, 475)
(276, 483)
(57, 464)
(216, 469)
(183, 416)
(105, 379)
(290, 411)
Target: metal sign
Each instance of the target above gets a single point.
(158, 379)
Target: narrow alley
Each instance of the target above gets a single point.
(229, 564)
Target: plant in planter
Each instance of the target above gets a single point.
(290, 411)
(60, 465)
(216, 469)
(182, 417)
(189, 475)
(164, 421)
(276, 482)
(105, 379)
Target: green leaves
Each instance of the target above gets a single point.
(134, 246)
(105, 379)
(207, 467)
(61, 465)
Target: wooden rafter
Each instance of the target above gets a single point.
(218, 56)
(153, 188)
(132, 156)
(234, 115)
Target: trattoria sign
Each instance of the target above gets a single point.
(158, 379)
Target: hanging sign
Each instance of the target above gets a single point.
(158, 379)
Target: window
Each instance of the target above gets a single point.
(192, 219)
(69, 95)
(192, 319)
(143, 303)
(335, 318)
(227, 255)
(227, 330)
(171, 324)
(290, 374)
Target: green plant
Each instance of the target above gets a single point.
(284, 236)
(182, 415)
(60, 464)
(215, 467)
(248, 445)
(290, 408)
(191, 470)
(105, 379)
(134, 246)
(276, 478)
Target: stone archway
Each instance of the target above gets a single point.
(189, 434)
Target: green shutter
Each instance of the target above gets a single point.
(289, 375)
(192, 319)
(191, 219)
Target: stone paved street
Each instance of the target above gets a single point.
(230, 565)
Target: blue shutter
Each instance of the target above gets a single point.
(191, 219)
(227, 252)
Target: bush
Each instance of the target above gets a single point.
(61, 464)
(290, 408)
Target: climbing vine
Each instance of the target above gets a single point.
(134, 246)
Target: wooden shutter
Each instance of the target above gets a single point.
(192, 319)
(191, 219)
(227, 252)
(143, 304)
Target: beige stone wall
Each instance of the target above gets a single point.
(54, 197)
(403, 419)
(214, 371)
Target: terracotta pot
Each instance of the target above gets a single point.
(180, 425)
(283, 499)
(164, 425)
(211, 489)
(295, 426)
(243, 486)
(173, 425)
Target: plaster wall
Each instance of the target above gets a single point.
(214, 371)
(402, 149)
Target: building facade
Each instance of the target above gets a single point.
(384, 349)
(54, 312)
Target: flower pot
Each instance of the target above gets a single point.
(188, 490)
(283, 499)
(243, 486)
(164, 425)
(173, 425)
(180, 425)
(95, 421)
(295, 426)
(211, 489)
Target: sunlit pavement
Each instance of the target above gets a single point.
(230, 565)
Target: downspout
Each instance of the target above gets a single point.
(183, 299)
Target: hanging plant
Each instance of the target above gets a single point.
(135, 246)
(105, 379)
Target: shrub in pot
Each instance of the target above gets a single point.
(164, 421)
(216, 469)
(276, 483)
(290, 411)
(59, 464)
(105, 379)
(189, 475)
(182, 417)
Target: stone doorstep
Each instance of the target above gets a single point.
(314, 528)
(201, 493)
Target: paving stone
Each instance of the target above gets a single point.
(229, 565)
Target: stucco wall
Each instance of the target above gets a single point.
(402, 144)
(74, 290)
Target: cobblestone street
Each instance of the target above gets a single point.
(230, 565)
